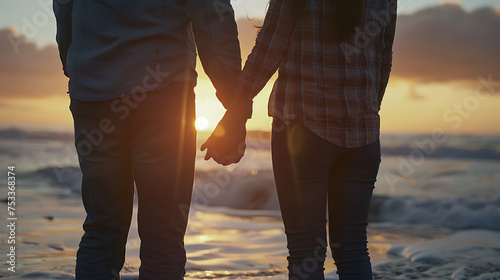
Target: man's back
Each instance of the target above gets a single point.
(131, 65)
(118, 47)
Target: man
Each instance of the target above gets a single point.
(131, 69)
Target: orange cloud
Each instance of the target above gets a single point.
(446, 43)
(26, 70)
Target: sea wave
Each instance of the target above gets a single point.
(255, 191)
(20, 134)
(449, 146)
(444, 152)
(456, 213)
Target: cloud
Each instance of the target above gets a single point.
(446, 44)
(414, 93)
(26, 70)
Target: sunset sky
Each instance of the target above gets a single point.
(446, 72)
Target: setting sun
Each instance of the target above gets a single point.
(201, 123)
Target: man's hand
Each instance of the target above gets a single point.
(227, 145)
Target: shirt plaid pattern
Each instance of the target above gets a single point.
(333, 88)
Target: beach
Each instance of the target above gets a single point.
(435, 212)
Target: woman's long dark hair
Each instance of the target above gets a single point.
(344, 15)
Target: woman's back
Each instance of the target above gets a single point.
(319, 60)
(333, 88)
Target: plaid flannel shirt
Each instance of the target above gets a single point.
(333, 88)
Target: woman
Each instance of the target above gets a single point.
(334, 59)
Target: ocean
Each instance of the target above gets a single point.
(435, 213)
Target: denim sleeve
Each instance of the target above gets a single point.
(216, 37)
(62, 11)
(386, 63)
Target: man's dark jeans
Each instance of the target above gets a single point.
(311, 173)
(149, 139)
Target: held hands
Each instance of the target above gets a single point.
(227, 145)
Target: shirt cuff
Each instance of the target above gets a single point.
(240, 107)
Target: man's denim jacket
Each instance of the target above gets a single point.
(111, 48)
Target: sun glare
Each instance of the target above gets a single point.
(201, 123)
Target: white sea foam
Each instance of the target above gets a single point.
(462, 245)
(468, 254)
(459, 213)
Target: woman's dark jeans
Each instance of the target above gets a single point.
(311, 174)
(149, 139)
